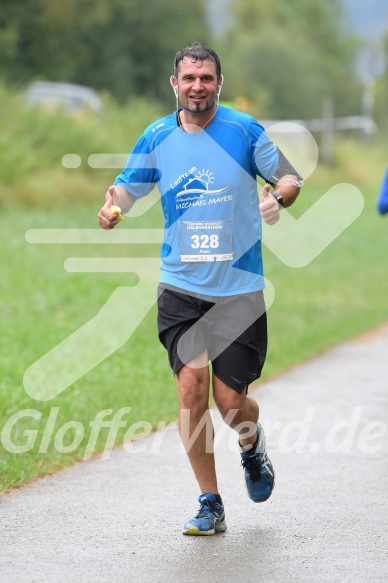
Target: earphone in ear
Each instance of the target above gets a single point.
(174, 87)
(220, 86)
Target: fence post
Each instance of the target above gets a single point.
(326, 153)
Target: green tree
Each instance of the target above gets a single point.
(46, 38)
(287, 57)
(126, 46)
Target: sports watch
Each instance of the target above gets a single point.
(279, 198)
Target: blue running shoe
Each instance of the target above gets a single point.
(259, 473)
(210, 518)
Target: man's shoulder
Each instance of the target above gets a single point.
(160, 126)
(239, 118)
(154, 134)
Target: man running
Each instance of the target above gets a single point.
(205, 158)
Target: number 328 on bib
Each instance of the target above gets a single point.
(205, 241)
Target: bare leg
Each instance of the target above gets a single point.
(246, 410)
(195, 423)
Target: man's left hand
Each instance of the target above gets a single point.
(269, 206)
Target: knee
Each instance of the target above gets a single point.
(193, 391)
(230, 404)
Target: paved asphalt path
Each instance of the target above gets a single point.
(119, 519)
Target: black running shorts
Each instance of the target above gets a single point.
(232, 329)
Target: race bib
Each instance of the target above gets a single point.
(205, 240)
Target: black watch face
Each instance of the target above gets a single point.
(279, 198)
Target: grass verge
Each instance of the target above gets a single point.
(340, 294)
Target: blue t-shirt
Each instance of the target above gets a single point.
(207, 182)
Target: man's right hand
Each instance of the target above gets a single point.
(106, 219)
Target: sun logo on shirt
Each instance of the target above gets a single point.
(205, 177)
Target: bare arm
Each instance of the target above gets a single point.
(115, 195)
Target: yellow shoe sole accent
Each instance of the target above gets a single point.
(194, 531)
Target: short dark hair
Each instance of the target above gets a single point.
(197, 51)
